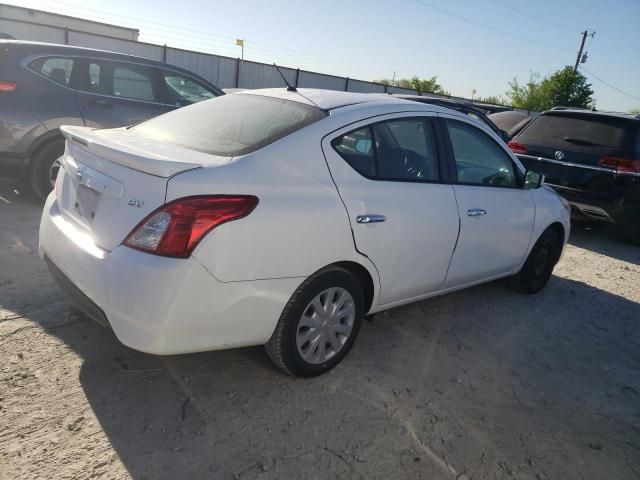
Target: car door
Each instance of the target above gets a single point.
(116, 94)
(388, 174)
(496, 214)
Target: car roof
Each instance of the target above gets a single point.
(325, 99)
(586, 113)
(43, 47)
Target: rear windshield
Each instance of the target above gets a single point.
(560, 130)
(230, 125)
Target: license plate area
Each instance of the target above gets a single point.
(86, 202)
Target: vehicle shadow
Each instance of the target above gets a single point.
(605, 240)
(485, 381)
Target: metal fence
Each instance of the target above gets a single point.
(225, 72)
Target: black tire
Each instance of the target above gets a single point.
(539, 265)
(282, 347)
(41, 163)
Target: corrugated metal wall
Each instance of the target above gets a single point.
(225, 72)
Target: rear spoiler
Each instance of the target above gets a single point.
(124, 148)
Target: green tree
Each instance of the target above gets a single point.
(427, 85)
(528, 96)
(635, 111)
(568, 88)
(493, 99)
(563, 87)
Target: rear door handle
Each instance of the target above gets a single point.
(476, 212)
(370, 218)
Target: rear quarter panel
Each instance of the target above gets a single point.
(299, 226)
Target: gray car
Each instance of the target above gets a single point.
(44, 86)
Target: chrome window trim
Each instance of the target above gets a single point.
(577, 165)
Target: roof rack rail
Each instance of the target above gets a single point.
(561, 107)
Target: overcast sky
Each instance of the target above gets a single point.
(368, 39)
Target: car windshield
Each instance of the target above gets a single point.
(230, 125)
(560, 130)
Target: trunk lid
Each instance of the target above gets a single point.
(110, 180)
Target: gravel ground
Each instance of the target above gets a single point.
(480, 384)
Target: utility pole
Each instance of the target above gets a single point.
(584, 38)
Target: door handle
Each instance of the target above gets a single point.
(101, 104)
(370, 218)
(476, 212)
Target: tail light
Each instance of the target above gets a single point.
(517, 147)
(621, 164)
(7, 86)
(175, 229)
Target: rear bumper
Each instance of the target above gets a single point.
(594, 192)
(159, 305)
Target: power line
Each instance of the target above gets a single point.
(611, 86)
(484, 25)
(504, 4)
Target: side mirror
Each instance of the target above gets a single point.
(532, 180)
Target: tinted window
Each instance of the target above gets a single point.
(395, 150)
(405, 150)
(357, 149)
(120, 80)
(479, 160)
(185, 91)
(132, 82)
(231, 125)
(562, 131)
(57, 69)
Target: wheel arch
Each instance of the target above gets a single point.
(364, 277)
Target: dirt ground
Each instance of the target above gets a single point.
(481, 384)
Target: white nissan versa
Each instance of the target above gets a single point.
(283, 217)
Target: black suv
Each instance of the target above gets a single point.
(44, 86)
(592, 159)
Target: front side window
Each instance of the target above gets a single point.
(402, 149)
(479, 160)
(184, 91)
(56, 69)
(231, 125)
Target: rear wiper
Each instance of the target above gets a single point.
(577, 141)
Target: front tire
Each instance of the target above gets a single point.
(319, 324)
(539, 264)
(43, 167)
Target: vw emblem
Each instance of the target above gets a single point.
(559, 155)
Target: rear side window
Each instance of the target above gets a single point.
(561, 131)
(57, 69)
(126, 80)
(402, 149)
(230, 125)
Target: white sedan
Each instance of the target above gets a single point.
(284, 217)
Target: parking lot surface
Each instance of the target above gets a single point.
(483, 384)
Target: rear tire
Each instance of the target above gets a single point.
(43, 170)
(538, 267)
(319, 324)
